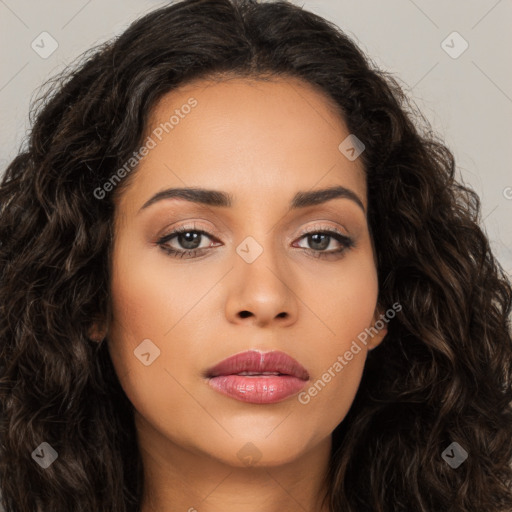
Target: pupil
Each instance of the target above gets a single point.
(190, 240)
(323, 244)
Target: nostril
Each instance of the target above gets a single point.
(245, 314)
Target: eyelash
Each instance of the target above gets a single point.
(345, 241)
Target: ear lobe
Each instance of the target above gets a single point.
(97, 331)
(379, 330)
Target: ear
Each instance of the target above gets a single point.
(378, 330)
(97, 331)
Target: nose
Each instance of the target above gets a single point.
(261, 292)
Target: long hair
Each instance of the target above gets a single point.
(442, 375)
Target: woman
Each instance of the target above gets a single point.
(236, 275)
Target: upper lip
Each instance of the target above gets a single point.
(258, 362)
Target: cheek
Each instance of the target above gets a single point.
(346, 302)
(147, 299)
(148, 303)
(141, 353)
(137, 316)
(331, 392)
(342, 298)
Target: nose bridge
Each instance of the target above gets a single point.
(259, 260)
(259, 246)
(261, 278)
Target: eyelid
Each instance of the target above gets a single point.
(188, 225)
(322, 227)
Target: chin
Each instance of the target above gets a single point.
(264, 450)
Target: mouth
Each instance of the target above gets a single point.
(258, 377)
(254, 363)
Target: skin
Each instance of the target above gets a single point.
(262, 142)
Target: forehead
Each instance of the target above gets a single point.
(247, 136)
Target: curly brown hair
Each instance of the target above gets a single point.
(447, 375)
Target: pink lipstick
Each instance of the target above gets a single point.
(258, 377)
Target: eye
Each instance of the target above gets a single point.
(319, 239)
(188, 238)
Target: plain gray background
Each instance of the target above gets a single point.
(466, 96)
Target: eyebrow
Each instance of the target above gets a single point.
(225, 200)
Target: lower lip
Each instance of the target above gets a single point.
(258, 389)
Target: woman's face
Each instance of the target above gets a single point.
(257, 281)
